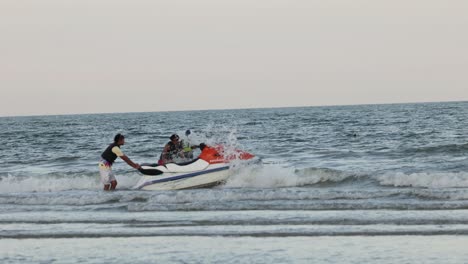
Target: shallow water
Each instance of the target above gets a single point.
(355, 184)
(169, 249)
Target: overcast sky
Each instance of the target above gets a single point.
(93, 56)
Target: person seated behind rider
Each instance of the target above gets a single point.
(173, 149)
(188, 145)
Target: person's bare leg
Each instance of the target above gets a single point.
(113, 185)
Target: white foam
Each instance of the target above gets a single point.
(218, 134)
(41, 183)
(274, 176)
(426, 179)
(262, 177)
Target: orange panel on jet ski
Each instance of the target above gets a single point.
(213, 155)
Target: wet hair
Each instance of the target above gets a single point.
(188, 132)
(174, 136)
(118, 137)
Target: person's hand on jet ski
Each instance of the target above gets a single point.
(202, 146)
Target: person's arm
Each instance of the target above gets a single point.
(187, 147)
(117, 151)
(165, 150)
(164, 154)
(130, 162)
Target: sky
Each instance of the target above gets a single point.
(107, 56)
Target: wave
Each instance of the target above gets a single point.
(244, 231)
(264, 218)
(439, 149)
(253, 187)
(318, 205)
(268, 176)
(425, 179)
(263, 176)
(225, 199)
(61, 182)
(197, 198)
(275, 176)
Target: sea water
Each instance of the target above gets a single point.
(338, 184)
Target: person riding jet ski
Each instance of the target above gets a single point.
(172, 149)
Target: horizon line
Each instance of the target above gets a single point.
(228, 109)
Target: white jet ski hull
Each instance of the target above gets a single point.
(209, 169)
(213, 175)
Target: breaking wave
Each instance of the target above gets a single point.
(425, 179)
(275, 176)
(56, 183)
(252, 176)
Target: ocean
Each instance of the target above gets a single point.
(336, 184)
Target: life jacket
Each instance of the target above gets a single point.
(108, 155)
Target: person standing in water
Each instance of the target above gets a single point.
(108, 158)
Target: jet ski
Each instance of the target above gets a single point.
(209, 169)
